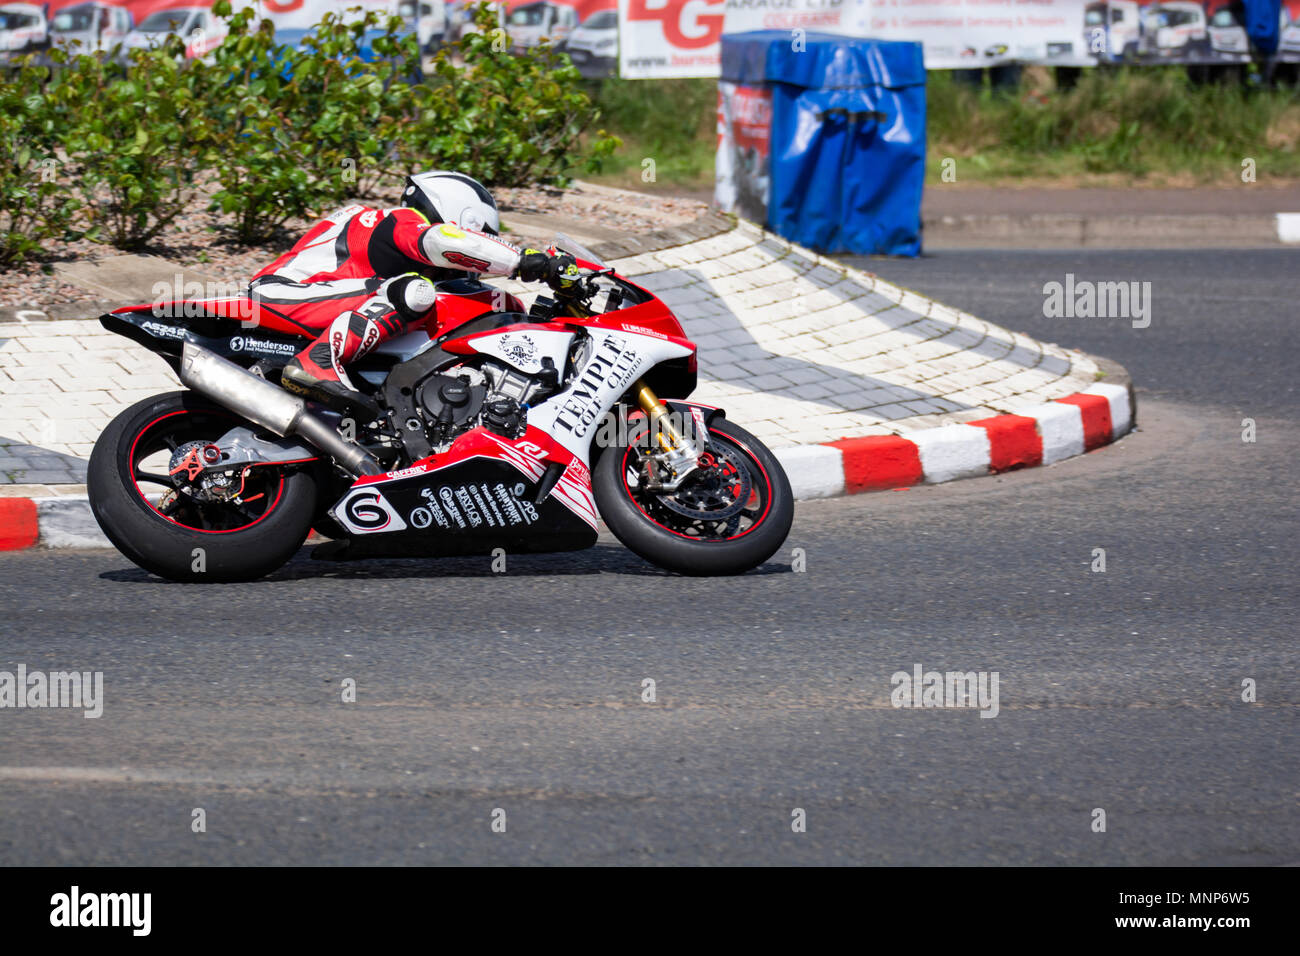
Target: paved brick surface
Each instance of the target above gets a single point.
(801, 350)
(61, 382)
(798, 348)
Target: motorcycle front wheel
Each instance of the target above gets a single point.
(729, 516)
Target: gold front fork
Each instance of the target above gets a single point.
(666, 470)
(661, 423)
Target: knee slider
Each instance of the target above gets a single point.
(412, 296)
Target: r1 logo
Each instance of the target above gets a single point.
(703, 19)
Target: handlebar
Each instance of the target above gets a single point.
(583, 287)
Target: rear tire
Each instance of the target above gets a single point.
(664, 537)
(195, 544)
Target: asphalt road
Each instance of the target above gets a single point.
(522, 691)
(1223, 322)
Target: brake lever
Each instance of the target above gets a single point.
(581, 287)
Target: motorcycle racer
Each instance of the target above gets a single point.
(364, 275)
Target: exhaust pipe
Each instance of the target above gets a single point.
(269, 406)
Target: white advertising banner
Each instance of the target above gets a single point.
(677, 38)
(973, 33)
(665, 39)
(302, 14)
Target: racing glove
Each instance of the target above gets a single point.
(557, 270)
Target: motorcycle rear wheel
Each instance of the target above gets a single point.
(145, 511)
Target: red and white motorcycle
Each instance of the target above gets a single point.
(500, 428)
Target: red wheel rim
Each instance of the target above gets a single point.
(761, 489)
(189, 513)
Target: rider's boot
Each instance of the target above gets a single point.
(318, 370)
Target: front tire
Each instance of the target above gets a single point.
(143, 510)
(728, 518)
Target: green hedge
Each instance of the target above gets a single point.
(115, 151)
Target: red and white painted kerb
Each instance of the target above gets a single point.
(55, 522)
(1039, 435)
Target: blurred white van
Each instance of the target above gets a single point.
(1112, 31)
(90, 27)
(1174, 29)
(23, 29)
(530, 23)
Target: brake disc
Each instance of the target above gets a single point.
(719, 490)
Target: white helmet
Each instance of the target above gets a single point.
(452, 197)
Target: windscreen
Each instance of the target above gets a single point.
(576, 249)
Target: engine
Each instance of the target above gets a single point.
(493, 395)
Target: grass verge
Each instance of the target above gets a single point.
(1135, 126)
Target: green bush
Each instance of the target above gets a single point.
(139, 137)
(305, 128)
(507, 118)
(35, 208)
(361, 110)
(280, 132)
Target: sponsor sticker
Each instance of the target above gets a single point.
(366, 511)
(448, 499)
(467, 262)
(407, 472)
(243, 343)
(474, 505)
(164, 331)
(642, 330)
(520, 349)
(610, 369)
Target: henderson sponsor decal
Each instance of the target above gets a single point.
(242, 343)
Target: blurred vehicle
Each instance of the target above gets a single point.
(455, 14)
(1112, 30)
(1289, 46)
(90, 27)
(431, 27)
(530, 24)
(294, 37)
(1227, 32)
(23, 29)
(593, 44)
(197, 26)
(460, 18)
(1173, 30)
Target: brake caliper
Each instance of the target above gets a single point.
(192, 458)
